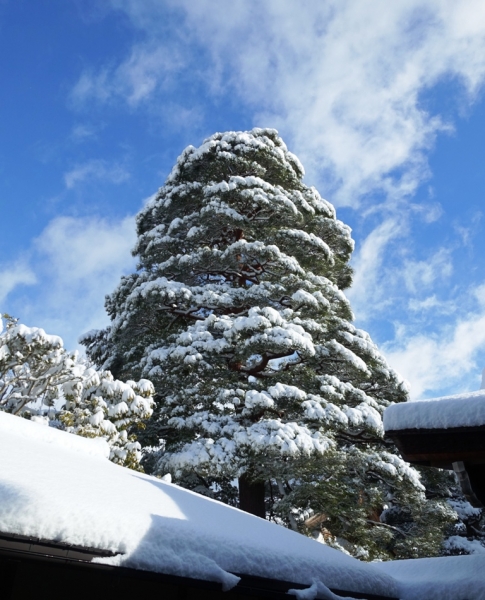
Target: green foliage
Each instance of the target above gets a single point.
(237, 314)
(39, 379)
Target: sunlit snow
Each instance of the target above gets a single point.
(460, 410)
(58, 486)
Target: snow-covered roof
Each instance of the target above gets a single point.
(442, 578)
(57, 486)
(461, 410)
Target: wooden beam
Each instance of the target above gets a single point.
(461, 449)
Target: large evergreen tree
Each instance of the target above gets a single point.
(237, 314)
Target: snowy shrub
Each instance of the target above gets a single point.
(38, 377)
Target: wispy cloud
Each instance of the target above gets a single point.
(74, 263)
(13, 276)
(345, 83)
(342, 80)
(146, 70)
(432, 332)
(450, 358)
(420, 275)
(374, 285)
(79, 249)
(431, 303)
(82, 132)
(95, 170)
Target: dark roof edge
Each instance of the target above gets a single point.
(440, 430)
(34, 545)
(18, 547)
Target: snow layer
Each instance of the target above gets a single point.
(29, 434)
(461, 410)
(445, 578)
(54, 487)
(57, 486)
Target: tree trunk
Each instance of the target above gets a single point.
(251, 496)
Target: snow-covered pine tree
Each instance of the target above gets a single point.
(39, 379)
(238, 316)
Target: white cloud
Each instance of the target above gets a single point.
(76, 261)
(389, 279)
(467, 233)
(13, 276)
(82, 132)
(449, 360)
(431, 303)
(436, 342)
(342, 80)
(147, 69)
(91, 85)
(373, 284)
(420, 275)
(82, 249)
(95, 170)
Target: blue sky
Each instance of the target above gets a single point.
(382, 102)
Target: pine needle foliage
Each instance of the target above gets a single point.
(237, 313)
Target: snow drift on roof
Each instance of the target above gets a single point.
(50, 490)
(443, 578)
(461, 410)
(59, 487)
(29, 434)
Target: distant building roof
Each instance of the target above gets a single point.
(460, 410)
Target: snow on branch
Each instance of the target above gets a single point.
(40, 379)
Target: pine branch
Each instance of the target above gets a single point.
(379, 524)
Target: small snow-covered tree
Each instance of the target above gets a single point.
(238, 316)
(39, 377)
